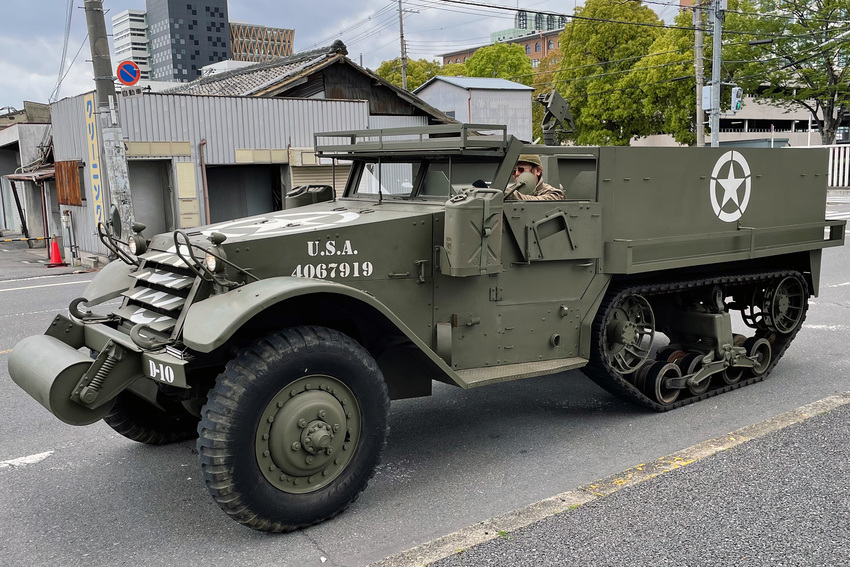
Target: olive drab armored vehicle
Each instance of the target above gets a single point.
(279, 340)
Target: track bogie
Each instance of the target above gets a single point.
(704, 357)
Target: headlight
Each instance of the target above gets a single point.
(137, 245)
(213, 264)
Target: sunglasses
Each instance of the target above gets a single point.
(523, 168)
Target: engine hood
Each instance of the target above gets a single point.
(331, 215)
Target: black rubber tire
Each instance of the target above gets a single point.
(229, 425)
(136, 419)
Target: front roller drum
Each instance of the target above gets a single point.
(49, 370)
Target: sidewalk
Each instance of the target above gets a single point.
(19, 261)
(772, 494)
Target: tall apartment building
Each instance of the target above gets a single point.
(174, 39)
(185, 35)
(130, 36)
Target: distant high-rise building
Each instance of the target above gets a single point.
(174, 39)
(259, 43)
(185, 35)
(130, 34)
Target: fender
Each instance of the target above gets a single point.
(211, 322)
(110, 282)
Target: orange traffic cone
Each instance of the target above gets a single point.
(55, 256)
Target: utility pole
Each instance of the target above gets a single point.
(699, 72)
(718, 12)
(403, 48)
(114, 155)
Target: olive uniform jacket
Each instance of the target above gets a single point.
(543, 192)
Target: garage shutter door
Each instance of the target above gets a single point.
(321, 175)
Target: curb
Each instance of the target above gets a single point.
(488, 530)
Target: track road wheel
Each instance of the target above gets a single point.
(761, 351)
(690, 364)
(293, 429)
(136, 419)
(731, 375)
(654, 382)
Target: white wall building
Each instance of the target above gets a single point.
(476, 100)
(130, 37)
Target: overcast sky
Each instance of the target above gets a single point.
(33, 31)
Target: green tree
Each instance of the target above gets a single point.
(453, 70)
(664, 81)
(505, 60)
(807, 65)
(418, 71)
(597, 56)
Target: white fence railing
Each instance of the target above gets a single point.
(839, 166)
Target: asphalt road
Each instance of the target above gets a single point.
(87, 496)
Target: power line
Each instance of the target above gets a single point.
(68, 13)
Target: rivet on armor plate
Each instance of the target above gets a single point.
(280, 404)
(296, 446)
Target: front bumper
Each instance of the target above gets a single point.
(76, 388)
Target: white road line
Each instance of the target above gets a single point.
(23, 461)
(840, 285)
(827, 327)
(29, 279)
(43, 285)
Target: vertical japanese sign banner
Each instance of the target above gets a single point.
(95, 174)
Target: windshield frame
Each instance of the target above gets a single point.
(359, 167)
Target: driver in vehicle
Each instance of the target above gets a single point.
(543, 191)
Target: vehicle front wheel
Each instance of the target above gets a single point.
(293, 429)
(136, 419)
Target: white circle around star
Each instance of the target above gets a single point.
(724, 174)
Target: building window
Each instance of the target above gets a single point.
(537, 46)
(550, 45)
(535, 63)
(457, 60)
(527, 49)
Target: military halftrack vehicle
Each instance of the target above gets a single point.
(279, 340)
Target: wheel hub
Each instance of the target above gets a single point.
(628, 332)
(307, 434)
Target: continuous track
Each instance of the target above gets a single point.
(600, 371)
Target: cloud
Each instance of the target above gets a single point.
(32, 73)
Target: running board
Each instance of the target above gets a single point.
(474, 377)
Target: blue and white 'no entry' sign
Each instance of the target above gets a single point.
(128, 73)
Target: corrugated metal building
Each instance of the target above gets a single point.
(477, 100)
(230, 145)
(243, 144)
